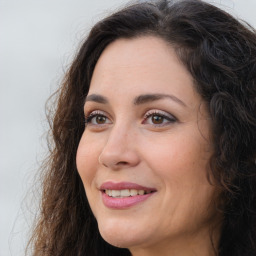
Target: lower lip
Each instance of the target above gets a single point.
(124, 202)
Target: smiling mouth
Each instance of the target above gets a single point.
(123, 193)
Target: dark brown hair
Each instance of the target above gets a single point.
(220, 54)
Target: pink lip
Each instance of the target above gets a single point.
(125, 202)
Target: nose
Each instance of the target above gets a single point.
(119, 151)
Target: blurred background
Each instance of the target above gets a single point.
(38, 39)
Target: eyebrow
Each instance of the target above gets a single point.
(96, 98)
(145, 98)
(141, 99)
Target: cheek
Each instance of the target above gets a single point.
(178, 155)
(86, 160)
(181, 163)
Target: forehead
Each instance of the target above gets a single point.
(139, 49)
(141, 65)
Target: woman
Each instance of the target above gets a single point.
(155, 138)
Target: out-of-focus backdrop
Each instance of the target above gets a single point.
(37, 42)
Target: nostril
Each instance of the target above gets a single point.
(122, 163)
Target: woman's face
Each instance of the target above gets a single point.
(144, 154)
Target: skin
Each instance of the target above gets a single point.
(135, 144)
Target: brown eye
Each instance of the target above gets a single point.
(100, 119)
(96, 118)
(156, 119)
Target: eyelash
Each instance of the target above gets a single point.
(170, 118)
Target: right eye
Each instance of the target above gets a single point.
(97, 118)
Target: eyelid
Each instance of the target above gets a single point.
(161, 112)
(88, 114)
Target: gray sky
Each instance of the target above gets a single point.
(37, 41)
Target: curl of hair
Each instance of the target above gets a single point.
(220, 54)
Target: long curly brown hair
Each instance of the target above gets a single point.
(220, 54)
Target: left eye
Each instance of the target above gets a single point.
(158, 118)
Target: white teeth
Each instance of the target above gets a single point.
(115, 193)
(141, 192)
(133, 192)
(125, 192)
(108, 192)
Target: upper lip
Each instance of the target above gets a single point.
(124, 185)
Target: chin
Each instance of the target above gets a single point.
(122, 235)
